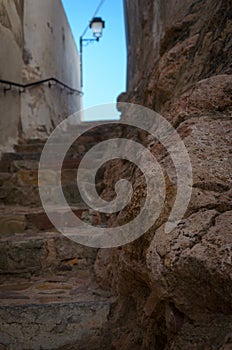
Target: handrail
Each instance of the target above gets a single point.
(39, 82)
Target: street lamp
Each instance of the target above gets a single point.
(97, 25)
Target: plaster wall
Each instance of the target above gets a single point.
(53, 55)
(35, 43)
(11, 63)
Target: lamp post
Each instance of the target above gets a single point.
(97, 25)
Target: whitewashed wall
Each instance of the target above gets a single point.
(37, 44)
(11, 64)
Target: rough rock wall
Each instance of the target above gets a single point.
(177, 43)
(36, 43)
(175, 290)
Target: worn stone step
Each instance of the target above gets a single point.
(104, 126)
(38, 147)
(107, 127)
(76, 151)
(56, 312)
(7, 166)
(64, 325)
(96, 133)
(24, 177)
(48, 177)
(24, 195)
(70, 162)
(39, 253)
(21, 219)
(14, 166)
(12, 156)
(28, 195)
(27, 171)
(21, 187)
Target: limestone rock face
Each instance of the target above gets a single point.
(188, 41)
(175, 290)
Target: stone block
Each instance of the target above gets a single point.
(12, 224)
(42, 252)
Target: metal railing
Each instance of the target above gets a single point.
(22, 87)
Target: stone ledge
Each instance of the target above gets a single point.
(40, 253)
(52, 326)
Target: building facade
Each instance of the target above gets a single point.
(36, 44)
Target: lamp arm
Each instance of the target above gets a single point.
(89, 39)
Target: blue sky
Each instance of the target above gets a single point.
(104, 62)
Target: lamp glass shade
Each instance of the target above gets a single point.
(97, 24)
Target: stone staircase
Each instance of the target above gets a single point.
(48, 295)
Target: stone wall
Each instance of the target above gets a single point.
(37, 44)
(174, 290)
(184, 47)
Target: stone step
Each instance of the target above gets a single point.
(106, 123)
(23, 195)
(23, 176)
(23, 161)
(17, 219)
(38, 147)
(58, 312)
(96, 133)
(74, 152)
(7, 166)
(42, 253)
(106, 129)
(48, 299)
(12, 156)
(105, 126)
(28, 195)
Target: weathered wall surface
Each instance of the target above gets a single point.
(176, 44)
(36, 44)
(49, 51)
(11, 63)
(175, 290)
